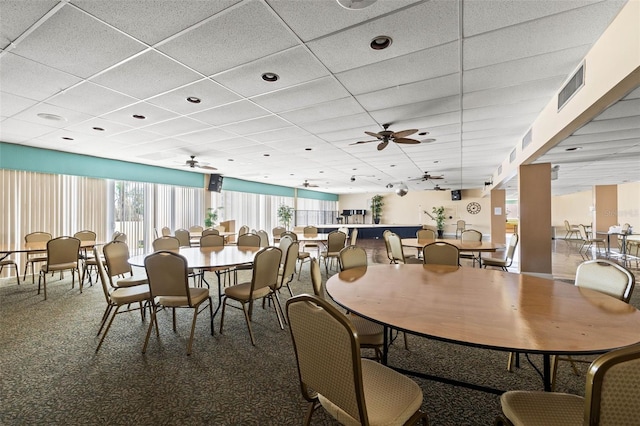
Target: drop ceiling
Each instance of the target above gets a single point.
(471, 74)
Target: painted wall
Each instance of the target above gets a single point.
(629, 205)
(576, 208)
(409, 210)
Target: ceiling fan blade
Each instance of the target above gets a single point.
(404, 133)
(406, 140)
(207, 167)
(428, 140)
(375, 135)
(383, 145)
(359, 142)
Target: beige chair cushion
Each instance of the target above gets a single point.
(241, 291)
(493, 261)
(123, 296)
(132, 281)
(369, 332)
(392, 398)
(198, 295)
(542, 408)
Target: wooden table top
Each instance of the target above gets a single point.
(485, 246)
(205, 257)
(488, 308)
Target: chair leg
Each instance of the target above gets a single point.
(104, 318)
(153, 320)
(278, 308)
(106, 330)
(248, 320)
(193, 329)
(312, 407)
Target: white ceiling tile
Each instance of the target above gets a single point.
(293, 66)
(152, 21)
(18, 16)
(256, 125)
(231, 113)
(109, 127)
(421, 109)
(69, 40)
(323, 111)
(421, 65)
(419, 27)
(176, 126)
(539, 91)
(281, 134)
(69, 117)
(147, 75)
(152, 114)
(206, 136)
(623, 108)
(341, 123)
(13, 104)
(211, 94)
(17, 131)
(226, 46)
(91, 99)
(134, 138)
(30, 79)
(303, 95)
(600, 126)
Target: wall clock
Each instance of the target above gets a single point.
(473, 207)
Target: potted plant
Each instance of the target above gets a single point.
(285, 213)
(376, 208)
(439, 218)
(211, 217)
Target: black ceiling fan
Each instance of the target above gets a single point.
(193, 163)
(386, 136)
(306, 184)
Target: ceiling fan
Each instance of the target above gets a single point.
(426, 176)
(193, 163)
(436, 187)
(385, 136)
(306, 184)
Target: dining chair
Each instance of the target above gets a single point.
(213, 240)
(302, 255)
(385, 237)
(352, 257)
(353, 238)
(248, 239)
(333, 375)
(166, 243)
(119, 271)
(266, 265)
(116, 298)
(196, 229)
(335, 243)
(470, 235)
(310, 231)
(278, 231)
(264, 238)
(244, 229)
(611, 384)
(168, 274)
(286, 273)
(425, 234)
(507, 259)
(588, 241)
(165, 231)
(570, 231)
(183, 237)
(86, 254)
(210, 231)
(605, 277)
(440, 253)
(9, 262)
(62, 255)
(460, 227)
(283, 245)
(36, 256)
(397, 252)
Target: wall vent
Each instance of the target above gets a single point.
(499, 170)
(512, 156)
(573, 85)
(527, 139)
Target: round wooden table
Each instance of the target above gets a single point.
(488, 309)
(473, 246)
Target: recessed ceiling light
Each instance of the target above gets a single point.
(575, 148)
(100, 129)
(52, 117)
(423, 133)
(356, 4)
(380, 42)
(436, 162)
(66, 138)
(266, 155)
(193, 100)
(308, 149)
(393, 165)
(139, 117)
(230, 159)
(270, 77)
(321, 171)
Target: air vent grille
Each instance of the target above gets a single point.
(572, 86)
(512, 156)
(527, 139)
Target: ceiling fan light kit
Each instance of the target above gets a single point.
(386, 136)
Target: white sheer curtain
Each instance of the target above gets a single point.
(257, 211)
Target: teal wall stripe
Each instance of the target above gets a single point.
(20, 157)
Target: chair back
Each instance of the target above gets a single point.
(461, 225)
(395, 246)
(103, 276)
(283, 245)
(210, 231)
(508, 255)
(385, 237)
(352, 257)
(166, 243)
(119, 236)
(606, 277)
(196, 229)
(116, 256)
(166, 232)
(583, 232)
(471, 235)
(37, 237)
(440, 253)
(62, 250)
(323, 336)
(335, 241)
(278, 231)
(310, 231)
(290, 234)
(266, 266)
(354, 237)
(168, 275)
(85, 235)
(289, 265)
(613, 380)
(183, 237)
(264, 238)
(344, 230)
(243, 230)
(567, 226)
(212, 240)
(316, 278)
(249, 240)
(426, 234)
(625, 228)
